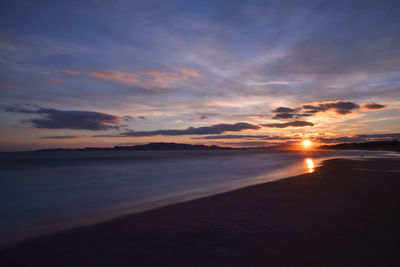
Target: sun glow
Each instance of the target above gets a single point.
(310, 165)
(306, 143)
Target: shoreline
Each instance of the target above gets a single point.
(221, 224)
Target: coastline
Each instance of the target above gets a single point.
(329, 217)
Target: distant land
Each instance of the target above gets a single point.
(379, 145)
(151, 146)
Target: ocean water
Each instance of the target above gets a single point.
(44, 192)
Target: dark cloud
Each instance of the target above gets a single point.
(289, 124)
(285, 110)
(339, 107)
(373, 106)
(249, 137)
(361, 138)
(214, 129)
(284, 116)
(280, 116)
(69, 119)
(288, 113)
(303, 115)
(203, 117)
(61, 137)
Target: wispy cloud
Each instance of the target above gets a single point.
(116, 76)
(273, 83)
(55, 81)
(186, 73)
(361, 138)
(9, 85)
(153, 77)
(70, 71)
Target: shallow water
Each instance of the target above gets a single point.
(51, 191)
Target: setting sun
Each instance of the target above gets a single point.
(307, 143)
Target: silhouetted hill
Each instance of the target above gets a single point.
(379, 145)
(151, 146)
(284, 146)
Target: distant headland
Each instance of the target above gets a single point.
(378, 145)
(150, 146)
(164, 146)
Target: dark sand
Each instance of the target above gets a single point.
(347, 213)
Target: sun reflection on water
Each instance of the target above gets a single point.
(310, 165)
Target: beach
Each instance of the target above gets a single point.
(345, 213)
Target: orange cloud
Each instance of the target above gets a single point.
(70, 71)
(157, 77)
(116, 76)
(186, 73)
(178, 74)
(162, 77)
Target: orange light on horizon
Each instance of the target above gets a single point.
(310, 165)
(306, 144)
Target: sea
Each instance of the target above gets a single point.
(45, 192)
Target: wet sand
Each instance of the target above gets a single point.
(346, 213)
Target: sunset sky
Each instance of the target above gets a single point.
(233, 73)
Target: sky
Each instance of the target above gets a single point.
(230, 73)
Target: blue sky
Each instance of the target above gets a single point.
(82, 73)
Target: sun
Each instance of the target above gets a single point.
(306, 143)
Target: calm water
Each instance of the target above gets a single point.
(51, 191)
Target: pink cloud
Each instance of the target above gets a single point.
(116, 76)
(178, 74)
(162, 77)
(146, 78)
(186, 73)
(70, 71)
